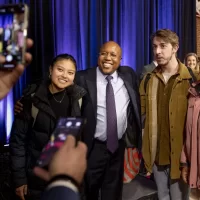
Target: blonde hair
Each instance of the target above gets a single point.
(197, 67)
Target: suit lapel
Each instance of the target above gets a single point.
(92, 88)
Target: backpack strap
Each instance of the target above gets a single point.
(34, 112)
(148, 76)
(193, 79)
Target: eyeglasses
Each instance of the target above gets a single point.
(105, 54)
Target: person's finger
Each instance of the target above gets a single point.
(18, 108)
(17, 111)
(14, 75)
(184, 179)
(29, 43)
(25, 190)
(17, 72)
(28, 58)
(2, 59)
(83, 148)
(42, 173)
(69, 143)
(148, 174)
(19, 104)
(20, 195)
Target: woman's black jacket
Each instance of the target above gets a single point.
(27, 142)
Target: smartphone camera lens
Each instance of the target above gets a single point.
(78, 123)
(9, 58)
(68, 124)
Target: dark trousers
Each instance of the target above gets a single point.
(105, 172)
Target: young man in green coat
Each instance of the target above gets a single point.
(164, 107)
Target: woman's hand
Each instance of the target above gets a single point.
(21, 191)
(185, 174)
(18, 107)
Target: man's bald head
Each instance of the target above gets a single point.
(109, 57)
(113, 44)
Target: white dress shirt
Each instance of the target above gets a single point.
(121, 102)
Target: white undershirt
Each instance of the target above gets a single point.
(166, 76)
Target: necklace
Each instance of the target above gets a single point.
(55, 98)
(61, 99)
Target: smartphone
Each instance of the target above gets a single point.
(65, 126)
(13, 34)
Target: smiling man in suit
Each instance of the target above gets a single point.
(112, 110)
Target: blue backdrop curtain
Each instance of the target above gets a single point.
(82, 26)
(79, 27)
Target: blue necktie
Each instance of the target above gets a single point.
(112, 136)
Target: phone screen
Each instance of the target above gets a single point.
(13, 33)
(65, 127)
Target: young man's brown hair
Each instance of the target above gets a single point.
(166, 35)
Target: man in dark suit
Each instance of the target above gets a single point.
(148, 68)
(113, 121)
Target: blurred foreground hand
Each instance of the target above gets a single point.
(9, 77)
(69, 160)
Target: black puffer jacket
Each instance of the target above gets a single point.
(27, 142)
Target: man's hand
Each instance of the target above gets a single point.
(185, 174)
(9, 78)
(148, 175)
(18, 107)
(69, 160)
(21, 191)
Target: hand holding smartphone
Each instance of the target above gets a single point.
(65, 126)
(13, 34)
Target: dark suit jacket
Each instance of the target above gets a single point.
(146, 69)
(87, 80)
(61, 193)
